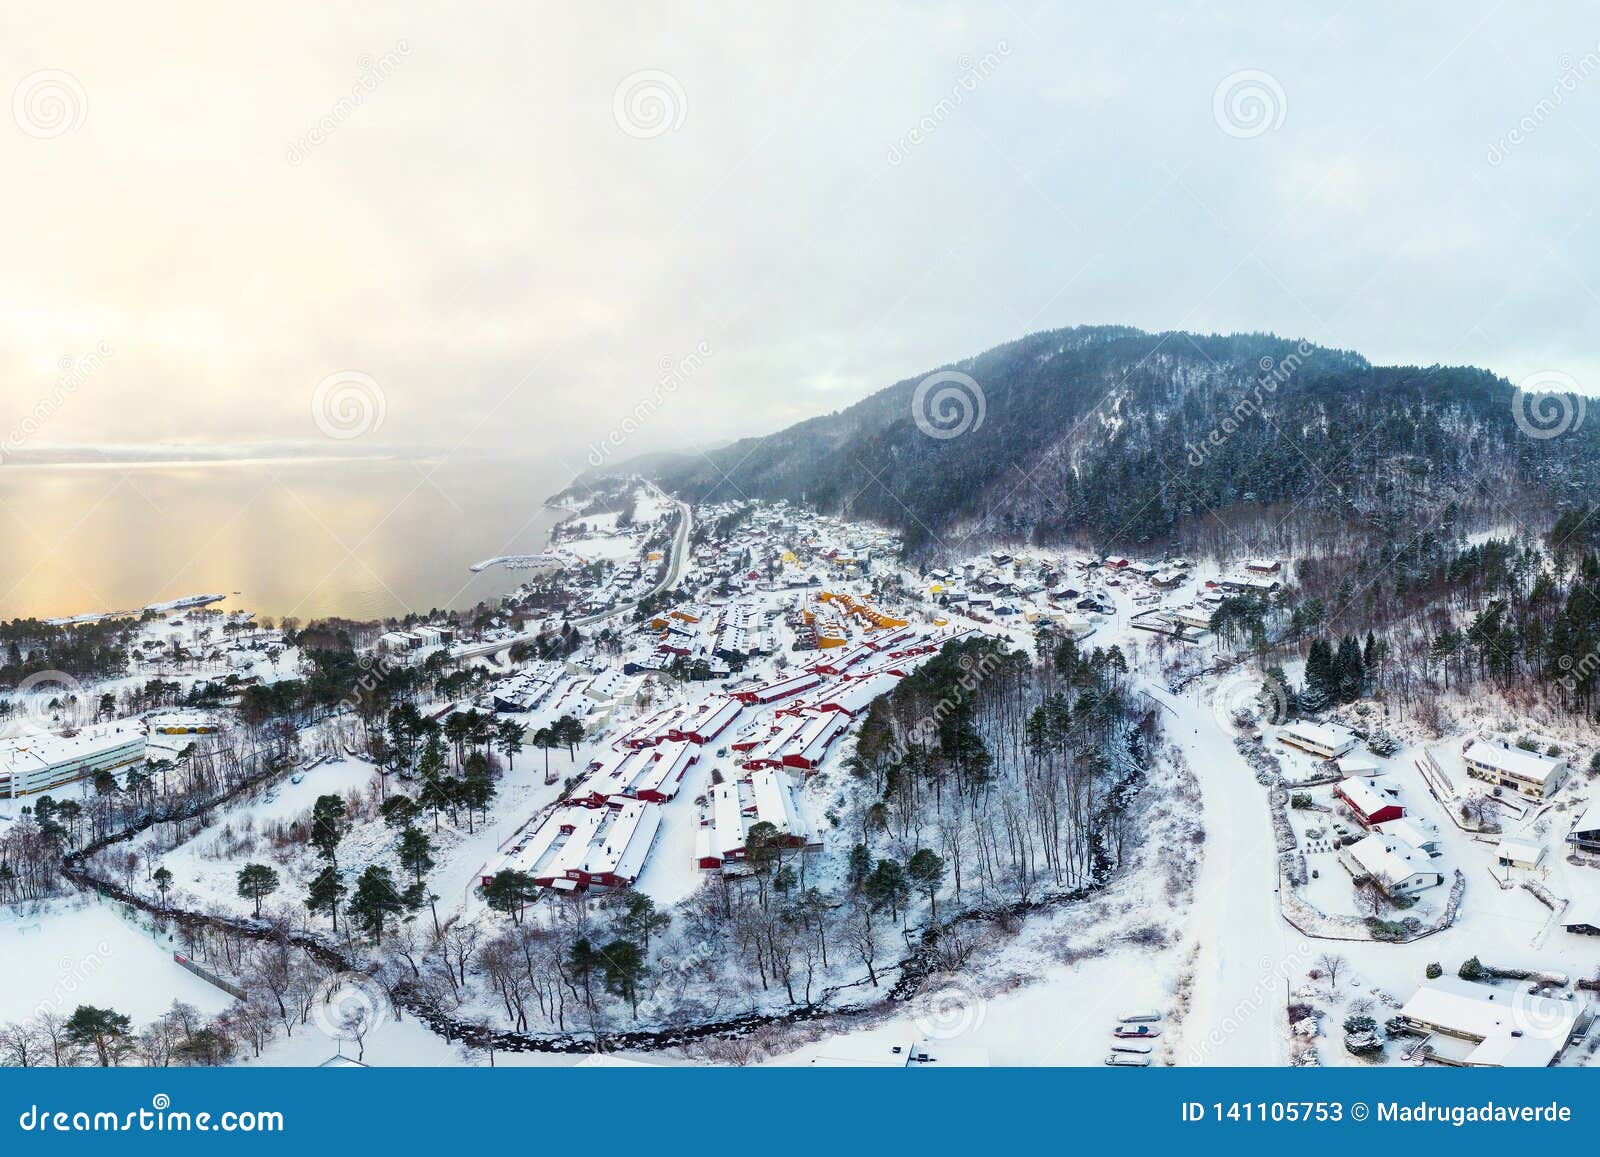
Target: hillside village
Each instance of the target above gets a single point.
(686, 735)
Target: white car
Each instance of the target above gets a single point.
(1128, 1060)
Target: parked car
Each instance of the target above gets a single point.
(1136, 1031)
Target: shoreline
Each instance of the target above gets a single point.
(192, 602)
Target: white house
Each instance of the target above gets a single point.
(1391, 863)
(1411, 833)
(1518, 854)
(1327, 740)
(1478, 1025)
(1530, 773)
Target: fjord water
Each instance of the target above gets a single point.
(361, 538)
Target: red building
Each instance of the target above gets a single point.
(1370, 805)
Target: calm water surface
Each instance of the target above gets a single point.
(365, 539)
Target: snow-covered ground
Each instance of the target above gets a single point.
(1063, 1019)
(1246, 950)
(90, 953)
(1192, 927)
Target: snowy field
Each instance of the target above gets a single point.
(1065, 1019)
(91, 955)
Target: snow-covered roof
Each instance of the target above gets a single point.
(1325, 736)
(621, 847)
(1363, 796)
(773, 792)
(1355, 765)
(1517, 1029)
(25, 755)
(1388, 858)
(1529, 765)
(1589, 820)
(1520, 851)
(1404, 829)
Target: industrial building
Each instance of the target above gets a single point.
(33, 763)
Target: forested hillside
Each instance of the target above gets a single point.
(1119, 439)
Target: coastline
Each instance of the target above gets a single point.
(60, 612)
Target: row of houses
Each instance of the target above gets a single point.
(579, 848)
(527, 690)
(698, 723)
(653, 774)
(765, 795)
(798, 740)
(862, 609)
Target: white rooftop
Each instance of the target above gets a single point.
(1528, 765)
(1516, 1028)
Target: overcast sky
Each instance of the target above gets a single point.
(510, 217)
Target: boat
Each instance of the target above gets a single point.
(1146, 1015)
(1128, 1061)
(1132, 1046)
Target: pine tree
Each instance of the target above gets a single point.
(624, 966)
(327, 826)
(860, 866)
(375, 900)
(104, 1028)
(324, 893)
(887, 887)
(925, 872)
(510, 891)
(1320, 679)
(413, 850)
(1349, 674)
(257, 882)
(641, 918)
